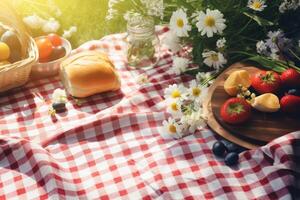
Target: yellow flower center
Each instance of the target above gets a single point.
(180, 23)
(176, 94)
(174, 106)
(196, 92)
(257, 5)
(215, 57)
(172, 128)
(210, 21)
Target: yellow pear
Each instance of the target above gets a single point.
(266, 103)
(236, 78)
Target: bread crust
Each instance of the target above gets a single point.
(88, 73)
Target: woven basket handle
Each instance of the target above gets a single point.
(9, 17)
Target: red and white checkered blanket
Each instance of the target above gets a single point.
(111, 146)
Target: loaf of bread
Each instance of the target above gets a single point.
(87, 73)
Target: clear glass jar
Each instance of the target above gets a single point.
(143, 49)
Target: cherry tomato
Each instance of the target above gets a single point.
(57, 53)
(55, 39)
(45, 47)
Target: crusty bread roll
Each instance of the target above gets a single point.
(88, 73)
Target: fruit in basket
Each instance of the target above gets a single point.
(55, 39)
(290, 78)
(267, 102)
(4, 51)
(57, 52)
(235, 111)
(266, 82)
(239, 77)
(45, 47)
(12, 40)
(231, 158)
(15, 56)
(290, 104)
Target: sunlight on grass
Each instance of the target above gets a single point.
(88, 16)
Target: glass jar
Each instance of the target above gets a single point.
(143, 49)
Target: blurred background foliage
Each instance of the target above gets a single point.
(87, 15)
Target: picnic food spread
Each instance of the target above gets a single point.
(88, 73)
(186, 123)
(50, 48)
(10, 47)
(268, 85)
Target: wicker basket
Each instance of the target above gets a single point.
(16, 74)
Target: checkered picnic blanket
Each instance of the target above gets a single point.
(111, 146)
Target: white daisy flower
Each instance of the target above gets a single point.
(172, 41)
(214, 59)
(196, 91)
(211, 22)
(257, 5)
(194, 121)
(68, 33)
(174, 91)
(59, 96)
(221, 43)
(179, 65)
(287, 5)
(179, 23)
(204, 77)
(173, 128)
(174, 108)
(51, 26)
(261, 47)
(34, 21)
(154, 7)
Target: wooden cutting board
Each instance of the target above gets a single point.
(260, 129)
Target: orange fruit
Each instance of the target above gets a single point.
(45, 47)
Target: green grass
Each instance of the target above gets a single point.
(87, 15)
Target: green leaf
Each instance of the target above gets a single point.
(267, 63)
(259, 20)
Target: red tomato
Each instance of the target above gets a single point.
(55, 39)
(45, 47)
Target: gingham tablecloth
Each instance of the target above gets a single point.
(112, 146)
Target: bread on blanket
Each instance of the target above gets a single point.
(87, 73)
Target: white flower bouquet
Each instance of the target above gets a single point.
(223, 32)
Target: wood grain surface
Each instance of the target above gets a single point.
(260, 129)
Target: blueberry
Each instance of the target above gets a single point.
(59, 107)
(231, 158)
(295, 92)
(219, 149)
(232, 147)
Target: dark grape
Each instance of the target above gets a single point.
(231, 158)
(59, 107)
(219, 149)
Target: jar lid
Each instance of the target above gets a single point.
(140, 25)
